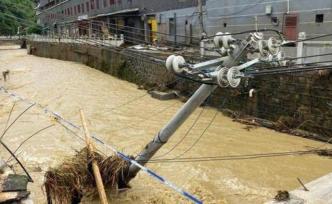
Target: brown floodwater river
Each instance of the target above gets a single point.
(128, 118)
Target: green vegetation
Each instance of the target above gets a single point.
(18, 14)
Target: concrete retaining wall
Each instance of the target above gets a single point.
(292, 101)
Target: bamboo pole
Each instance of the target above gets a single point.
(95, 168)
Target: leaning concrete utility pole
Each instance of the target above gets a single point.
(224, 71)
(168, 130)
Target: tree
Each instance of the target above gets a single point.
(18, 14)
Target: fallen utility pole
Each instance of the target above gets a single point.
(177, 64)
(238, 57)
(165, 133)
(95, 168)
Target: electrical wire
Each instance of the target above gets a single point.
(135, 40)
(200, 137)
(17, 160)
(184, 136)
(238, 157)
(142, 29)
(200, 80)
(308, 56)
(226, 34)
(294, 66)
(9, 116)
(280, 34)
(151, 56)
(18, 117)
(279, 71)
(28, 138)
(313, 38)
(114, 48)
(244, 9)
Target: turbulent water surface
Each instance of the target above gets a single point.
(128, 118)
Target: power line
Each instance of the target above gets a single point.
(200, 137)
(17, 160)
(280, 34)
(28, 138)
(18, 117)
(313, 38)
(142, 29)
(149, 172)
(244, 9)
(239, 157)
(184, 136)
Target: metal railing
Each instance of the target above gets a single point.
(115, 41)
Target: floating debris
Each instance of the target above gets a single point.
(74, 178)
(5, 74)
(282, 196)
(325, 152)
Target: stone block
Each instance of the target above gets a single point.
(13, 182)
(163, 95)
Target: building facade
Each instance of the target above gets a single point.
(137, 20)
(178, 20)
(288, 16)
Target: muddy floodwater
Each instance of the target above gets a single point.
(127, 118)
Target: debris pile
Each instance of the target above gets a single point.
(74, 178)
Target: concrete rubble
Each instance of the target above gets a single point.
(13, 187)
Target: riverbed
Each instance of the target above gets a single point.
(128, 118)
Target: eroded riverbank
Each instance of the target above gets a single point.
(128, 118)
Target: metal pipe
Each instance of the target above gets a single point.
(210, 63)
(165, 133)
(288, 6)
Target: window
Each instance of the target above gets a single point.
(92, 2)
(225, 25)
(112, 2)
(105, 3)
(275, 21)
(82, 6)
(79, 8)
(87, 7)
(75, 10)
(319, 18)
(71, 11)
(171, 26)
(97, 4)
